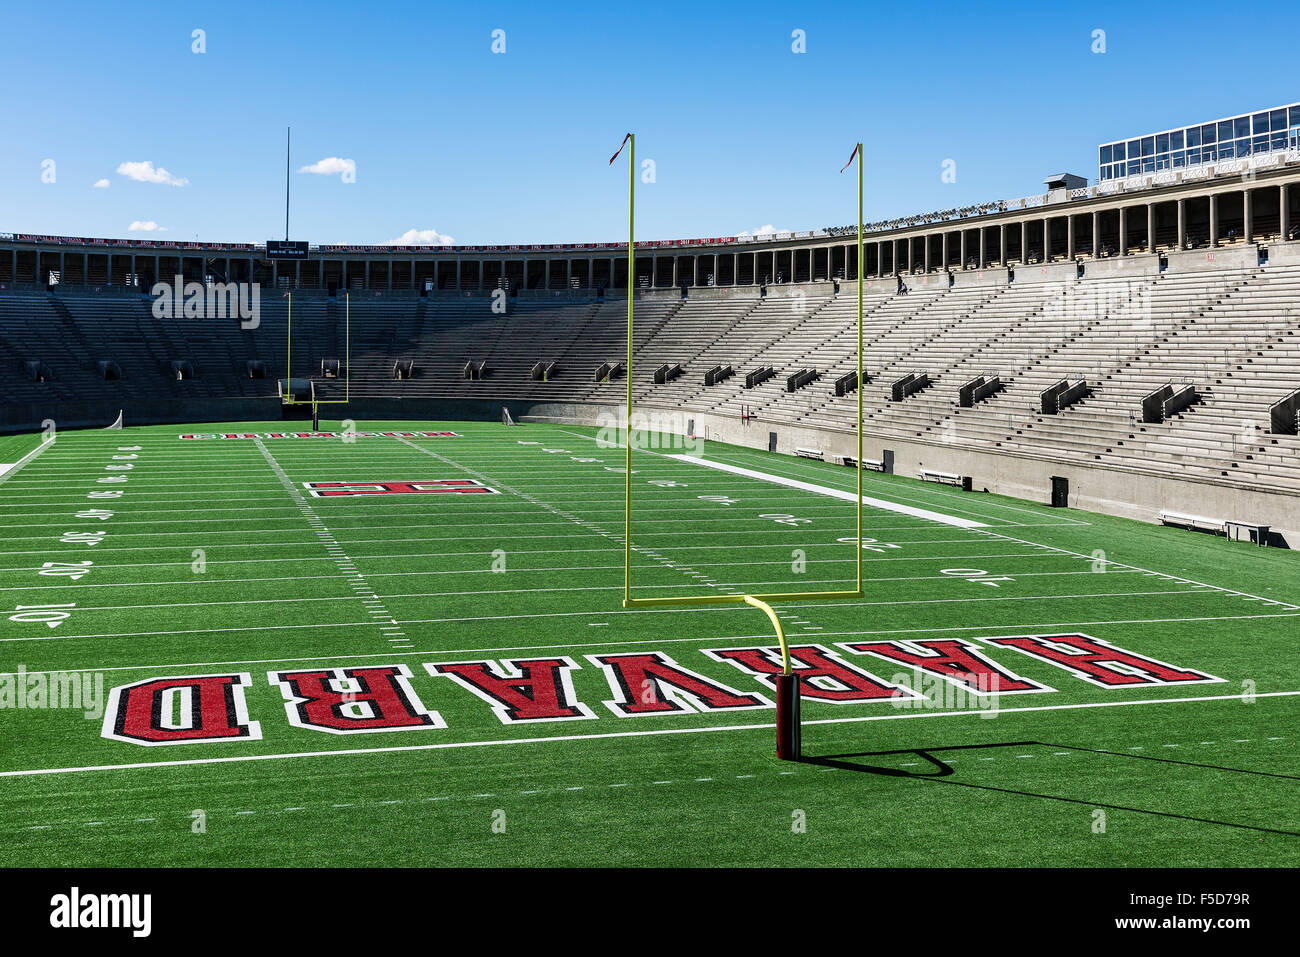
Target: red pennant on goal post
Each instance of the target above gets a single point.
(846, 165)
(620, 148)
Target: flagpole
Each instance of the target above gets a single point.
(860, 383)
(631, 278)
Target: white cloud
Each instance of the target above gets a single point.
(767, 230)
(144, 172)
(145, 226)
(101, 184)
(332, 166)
(422, 237)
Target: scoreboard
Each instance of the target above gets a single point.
(285, 249)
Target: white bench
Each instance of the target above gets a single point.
(810, 453)
(1193, 522)
(872, 465)
(947, 478)
(1255, 532)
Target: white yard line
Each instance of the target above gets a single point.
(379, 614)
(802, 486)
(453, 745)
(8, 470)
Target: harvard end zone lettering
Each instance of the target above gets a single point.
(521, 690)
(181, 710)
(320, 435)
(189, 709)
(824, 675)
(650, 682)
(1100, 663)
(443, 486)
(954, 660)
(354, 700)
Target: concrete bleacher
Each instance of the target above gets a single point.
(1233, 334)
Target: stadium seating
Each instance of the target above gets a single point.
(1057, 370)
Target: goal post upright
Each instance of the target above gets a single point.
(627, 430)
(858, 153)
(787, 681)
(347, 358)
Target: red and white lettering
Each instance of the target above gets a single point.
(520, 690)
(354, 700)
(651, 682)
(823, 674)
(1100, 663)
(952, 659)
(180, 710)
(432, 486)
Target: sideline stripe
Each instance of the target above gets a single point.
(7, 470)
(446, 745)
(924, 513)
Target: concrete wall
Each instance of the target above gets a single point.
(1121, 266)
(1048, 272)
(929, 282)
(1129, 493)
(1287, 254)
(1191, 260)
(994, 276)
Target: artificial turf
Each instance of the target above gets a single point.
(216, 560)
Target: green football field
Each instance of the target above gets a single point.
(210, 658)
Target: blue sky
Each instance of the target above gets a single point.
(447, 136)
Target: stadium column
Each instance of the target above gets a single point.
(1096, 235)
(1024, 242)
(1182, 224)
(1151, 227)
(1002, 245)
(1247, 220)
(1284, 223)
(926, 260)
(943, 248)
(983, 249)
(1047, 239)
(1214, 219)
(1123, 231)
(962, 264)
(1069, 238)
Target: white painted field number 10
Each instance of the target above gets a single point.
(49, 614)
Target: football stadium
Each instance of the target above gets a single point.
(966, 528)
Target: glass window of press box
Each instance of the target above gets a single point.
(1237, 136)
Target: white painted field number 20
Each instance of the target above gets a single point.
(73, 570)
